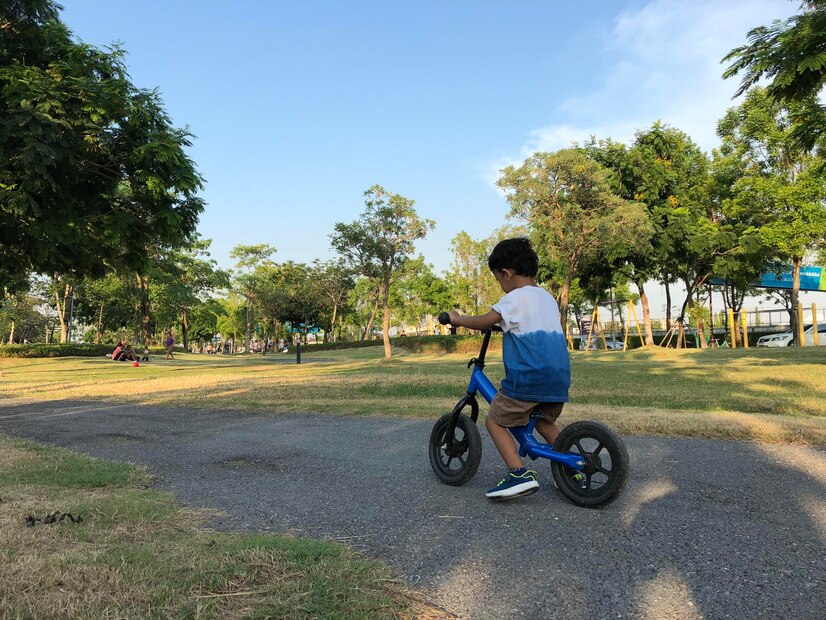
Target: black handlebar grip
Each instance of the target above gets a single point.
(444, 318)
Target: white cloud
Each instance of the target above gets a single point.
(665, 64)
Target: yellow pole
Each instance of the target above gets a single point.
(627, 325)
(637, 323)
(800, 324)
(601, 328)
(814, 324)
(591, 330)
(568, 336)
(732, 335)
(745, 324)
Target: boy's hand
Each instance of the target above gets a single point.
(454, 317)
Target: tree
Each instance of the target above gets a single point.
(231, 320)
(287, 293)
(782, 188)
(470, 274)
(574, 216)
(335, 282)
(379, 243)
(91, 169)
(20, 319)
(791, 54)
(110, 305)
(419, 292)
(184, 278)
(203, 319)
(635, 257)
(250, 257)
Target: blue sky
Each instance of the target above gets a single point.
(299, 107)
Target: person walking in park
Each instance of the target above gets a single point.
(170, 346)
(535, 355)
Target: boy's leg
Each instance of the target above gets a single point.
(548, 430)
(505, 444)
(547, 424)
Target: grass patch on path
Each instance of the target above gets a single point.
(137, 554)
(774, 395)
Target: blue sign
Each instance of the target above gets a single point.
(811, 279)
(302, 328)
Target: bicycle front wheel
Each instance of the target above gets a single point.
(455, 460)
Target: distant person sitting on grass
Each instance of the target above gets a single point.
(117, 352)
(170, 346)
(128, 354)
(535, 355)
(145, 357)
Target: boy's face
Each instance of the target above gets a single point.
(505, 278)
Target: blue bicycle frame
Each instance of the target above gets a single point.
(528, 444)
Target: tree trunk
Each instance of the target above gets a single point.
(796, 328)
(385, 302)
(564, 298)
(144, 306)
(185, 327)
(333, 323)
(370, 320)
(646, 315)
(11, 333)
(64, 310)
(99, 337)
(667, 304)
(249, 326)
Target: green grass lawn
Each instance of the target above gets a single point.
(137, 554)
(774, 395)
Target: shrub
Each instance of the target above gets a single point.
(55, 350)
(468, 343)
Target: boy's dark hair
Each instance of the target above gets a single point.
(516, 254)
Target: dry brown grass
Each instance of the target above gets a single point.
(137, 555)
(767, 395)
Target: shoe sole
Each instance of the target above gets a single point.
(518, 491)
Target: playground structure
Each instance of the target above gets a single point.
(596, 320)
(732, 332)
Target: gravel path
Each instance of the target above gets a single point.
(705, 529)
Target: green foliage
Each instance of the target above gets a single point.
(791, 55)
(575, 217)
(91, 169)
(774, 189)
(419, 292)
(344, 344)
(55, 350)
(378, 244)
(460, 343)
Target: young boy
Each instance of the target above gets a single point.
(535, 354)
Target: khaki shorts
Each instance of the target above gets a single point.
(508, 412)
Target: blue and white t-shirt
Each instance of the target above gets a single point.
(537, 366)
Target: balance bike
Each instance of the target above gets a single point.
(585, 447)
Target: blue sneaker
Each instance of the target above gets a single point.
(514, 485)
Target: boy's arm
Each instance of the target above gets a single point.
(480, 322)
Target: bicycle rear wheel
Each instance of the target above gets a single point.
(606, 464)
(455, 462)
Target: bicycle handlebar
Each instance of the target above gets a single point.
(444, 319)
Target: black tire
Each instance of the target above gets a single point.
(457, 466)
(606, 469)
